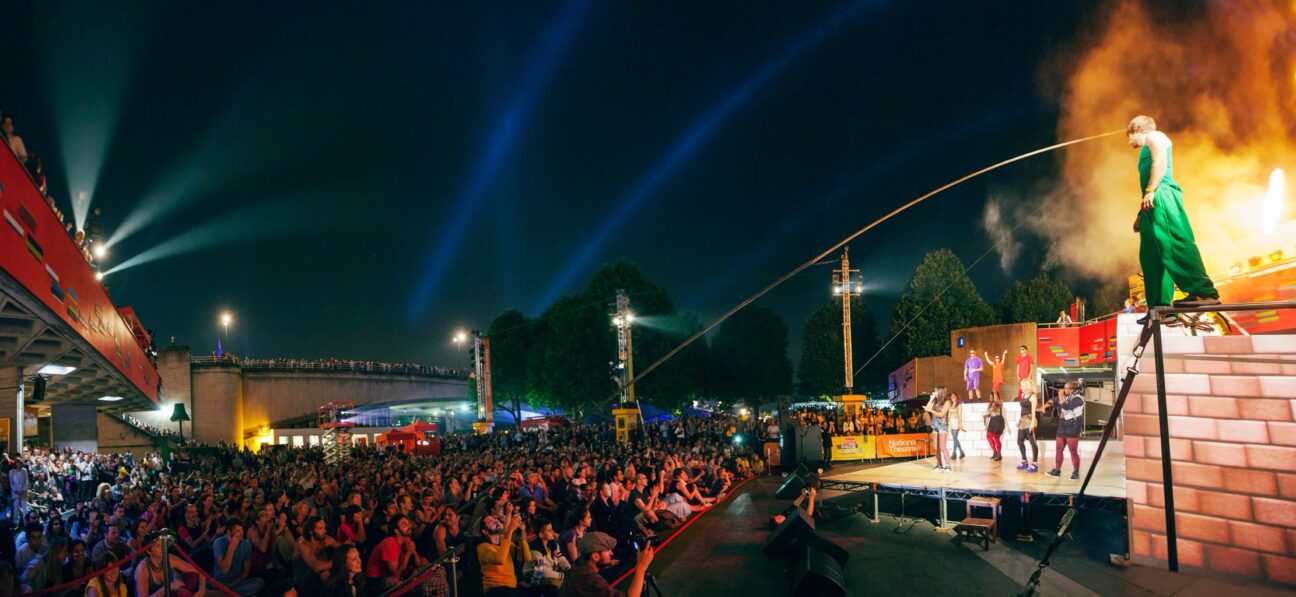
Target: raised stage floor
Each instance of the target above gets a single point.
(981, 476)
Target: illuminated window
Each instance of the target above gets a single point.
(298, 440)
(314, 440)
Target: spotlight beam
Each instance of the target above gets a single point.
(498, 146)
(689, 143)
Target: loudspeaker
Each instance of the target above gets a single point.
(790, 537)
(38, 389)
(817, 574)
(809, 444)
(795, 482)
(828, 548)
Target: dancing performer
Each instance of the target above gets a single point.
(1070, 403)
(938, 406)
(956, 425)
(972, 375)
(994, 425)
(1026, 426)
(1167, 250)
(996, 375)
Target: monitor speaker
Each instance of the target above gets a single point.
(800, 479)
(818, 574)
(789, 538)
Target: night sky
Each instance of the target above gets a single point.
(361, 180)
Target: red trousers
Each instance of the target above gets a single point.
(996, 442)
(1073, 443)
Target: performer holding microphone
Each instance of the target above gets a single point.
(1070, 405)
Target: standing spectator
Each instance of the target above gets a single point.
(596, 552)
(233, 554)
(15, 142)
(1070, 405)
(19, 484)
(1064, 319)
(972, 375)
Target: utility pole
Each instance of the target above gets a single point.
(846, 286)
(623, 318)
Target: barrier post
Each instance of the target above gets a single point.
(166, 563)
(876, 518)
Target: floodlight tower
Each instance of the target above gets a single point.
(847, 285)
(627, 413)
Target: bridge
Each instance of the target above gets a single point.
(66, 351)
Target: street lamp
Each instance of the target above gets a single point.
(226, 318)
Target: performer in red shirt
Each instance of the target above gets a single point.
(1025, 366)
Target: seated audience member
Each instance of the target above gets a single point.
(346, 578)
(584, 579)
(495, 555)
(233, 554)
(548, 558)
(151, 580)
(109, 584)
(46, 570)
(394, 556)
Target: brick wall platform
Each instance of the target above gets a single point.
(1230, 402)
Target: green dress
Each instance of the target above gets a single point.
(1167, 250)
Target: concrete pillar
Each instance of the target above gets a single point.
(217, 404)
(75, 426)
(173, 368)
(11, 406)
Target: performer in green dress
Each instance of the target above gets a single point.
(1167, 250)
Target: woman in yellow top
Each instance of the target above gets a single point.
(108, 584)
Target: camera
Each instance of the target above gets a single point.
(638, 540)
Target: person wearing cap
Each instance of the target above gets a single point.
(584, 579)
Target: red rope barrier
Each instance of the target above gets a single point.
(732, 492)
(206, 577)
(74, 583)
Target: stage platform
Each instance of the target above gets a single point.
(978, 475)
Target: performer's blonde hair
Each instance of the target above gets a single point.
(1141, 124)
(1028, 386)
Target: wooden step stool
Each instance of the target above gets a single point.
(983, 530)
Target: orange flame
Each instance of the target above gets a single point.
(1217, 84)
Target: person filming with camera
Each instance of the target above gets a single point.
(595, 549)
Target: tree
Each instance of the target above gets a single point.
(939, 297)
(1108, 298)
(821, 370)
(1038, 300)
(750, 356)
(510, 343)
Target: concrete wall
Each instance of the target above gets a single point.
(1233, 452)
(116, 437)
(174, 369)
(217, 396)
(271, 396)
(75, 426)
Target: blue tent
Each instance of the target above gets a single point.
(652, 414)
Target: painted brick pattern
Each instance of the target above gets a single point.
(1230, 402)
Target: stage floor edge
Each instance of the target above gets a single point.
(979, 475)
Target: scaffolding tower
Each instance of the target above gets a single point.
(336, 436)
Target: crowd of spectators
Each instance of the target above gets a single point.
(533, 511)
(835, 421)
(157, 431)
(332, 364)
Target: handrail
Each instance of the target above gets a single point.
(452, 556)
(338, 365)
(1156, 314)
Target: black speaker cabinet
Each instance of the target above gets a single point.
(817, 574)
(789, 538)
(800, 479)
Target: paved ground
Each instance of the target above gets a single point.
(720, 554)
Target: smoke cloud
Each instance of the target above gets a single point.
(1221, 84)
(997, 226)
